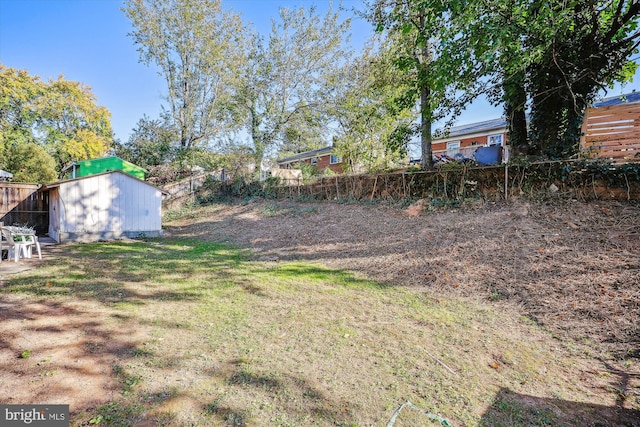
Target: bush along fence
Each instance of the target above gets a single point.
(582, 180)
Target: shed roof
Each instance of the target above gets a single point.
(80, 178)
(102, 160)
(109, 158)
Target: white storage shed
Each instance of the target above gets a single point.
(105, 206)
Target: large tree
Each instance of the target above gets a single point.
(18, 92)
(589, 48)
(283, 86)
(152, 143)
(30, 162)
(441, 82)
(60, 116)
(198, 48)
(374, 125)
(73, 126)
(551, 58)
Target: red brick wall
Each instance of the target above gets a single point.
(323, 163)
(468, 142)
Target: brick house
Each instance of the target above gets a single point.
(323, 158)
(465, 139)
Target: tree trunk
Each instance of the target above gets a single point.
(425, 128)
(515, 99)
(426, 116)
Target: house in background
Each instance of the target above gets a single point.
(611, 101)
(105, 164)
(323, 158)
(466, 139)
(103, 206)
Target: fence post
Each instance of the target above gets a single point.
(506, 182)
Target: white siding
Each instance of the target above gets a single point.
(105, 206)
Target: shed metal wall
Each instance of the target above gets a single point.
(106, 206)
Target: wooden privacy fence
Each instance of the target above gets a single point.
(288, 176)
(24, 204)
(612, 132)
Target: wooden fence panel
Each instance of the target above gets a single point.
(185, 186)
(612, 132)
(24, 204)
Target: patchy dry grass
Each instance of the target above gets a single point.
(181, 332)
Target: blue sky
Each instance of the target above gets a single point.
(86, 41)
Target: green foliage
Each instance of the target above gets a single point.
(283, 86)
(30, 162)
(309, 172)
(198, 48)
(60, 116)
(117, 414)
(434, 61)
(75, 128)
(374, 127)
(249, 190)
(553, 57)
(152, 143)
(18, 91)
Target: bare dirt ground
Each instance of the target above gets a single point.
(572, 267)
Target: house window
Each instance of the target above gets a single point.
(335, 159)
(494, 140)
(314, 160)
(453, 147)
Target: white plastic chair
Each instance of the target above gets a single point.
(14, 248)
(28, 242)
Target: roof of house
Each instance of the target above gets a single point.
(498, 124)
(307, 155)
(618, 99)
(66, 181)
(473, 128)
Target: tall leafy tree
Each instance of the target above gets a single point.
(551, 57)
(589, 49)
(442, 84)
(60, 116)
(18, 91)
(198, 49)
(374, 126)
(152, 143)
(73, 125)
(286, 78)
(302, 133)
(30, 162)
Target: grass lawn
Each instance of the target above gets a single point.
(184, 332)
